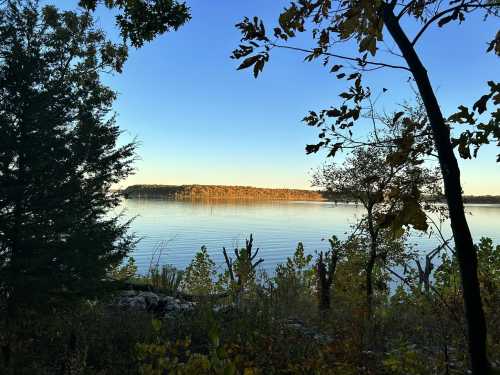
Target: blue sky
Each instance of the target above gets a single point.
(199, 120)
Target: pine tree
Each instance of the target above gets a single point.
(59, 157)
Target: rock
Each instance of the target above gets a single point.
(134, 303)
(187, 306)
(152, 302)
(167, 304)
(128, 293)
(150, 298)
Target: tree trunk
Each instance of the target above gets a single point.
(369, 281)
(324, 284)
(465, 251)
(371, 261)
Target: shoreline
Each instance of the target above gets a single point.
(223, 193)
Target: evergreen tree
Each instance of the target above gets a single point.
(59, 157)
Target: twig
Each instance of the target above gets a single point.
(358, 60)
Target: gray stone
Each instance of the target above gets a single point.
(152, 302)
(150, 298)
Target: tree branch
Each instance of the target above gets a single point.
(358, 60)
(405, 9)
(229, 264)
(449, 10)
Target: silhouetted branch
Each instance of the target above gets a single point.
(464, 6)
(229, 263)
(358, 60)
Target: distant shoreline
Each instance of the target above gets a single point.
(249, 193)
(220, 192)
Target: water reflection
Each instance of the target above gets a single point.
(181, 227)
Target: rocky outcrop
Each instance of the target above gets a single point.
(159, 304)
(166, 306)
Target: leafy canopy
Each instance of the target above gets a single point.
(142, 21)
(360, 25)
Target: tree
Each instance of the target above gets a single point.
(365, 23)
(242, 271)
(198, 279)
(59, 158)
(142, 21)
(293, 280)
(391, 195)
(325, 269)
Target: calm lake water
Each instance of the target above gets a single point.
(175, 230)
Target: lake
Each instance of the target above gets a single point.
(175, 230)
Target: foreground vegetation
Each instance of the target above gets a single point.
(254, 323)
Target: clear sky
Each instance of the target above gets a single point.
(200, 121)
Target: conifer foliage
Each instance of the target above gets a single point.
(59, 157)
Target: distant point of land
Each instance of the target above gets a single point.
(483, 199)
(220, 192)
(223, 192)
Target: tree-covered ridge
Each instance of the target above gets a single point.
(220, 192)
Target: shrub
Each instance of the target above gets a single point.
(200, 275)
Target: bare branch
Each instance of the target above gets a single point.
(464, 5)
(229, 263)
(358, 60)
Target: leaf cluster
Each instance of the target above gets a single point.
(142, 21)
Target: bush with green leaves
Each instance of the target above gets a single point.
(199, 277)
(294, 280)
(125, 272)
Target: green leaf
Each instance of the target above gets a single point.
(443, 21)
(335, 68)
(464, 149)
(397, 116)
(369, 44)
(495, 44)
(480, 105)
(258, 67)
(462, 116)
(333, 112)
(311, 149)
(248, 62)
(335, 148)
